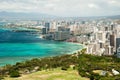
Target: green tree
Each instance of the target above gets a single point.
(14, 73)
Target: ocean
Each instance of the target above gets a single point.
(21, 46)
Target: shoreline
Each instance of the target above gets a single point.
(25, 58)
(76, 51)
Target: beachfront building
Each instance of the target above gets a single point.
(44, 31)
(47, 26)
(61, 35)
(95, 48)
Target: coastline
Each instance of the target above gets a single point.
(14, 60)
(76, 51)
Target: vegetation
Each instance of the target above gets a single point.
(1, 78)
(56, 74)
(89, 63)
(89, 66)
(34, 65)
(14, 73)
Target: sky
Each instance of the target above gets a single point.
(66, 8)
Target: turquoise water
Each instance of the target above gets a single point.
(21, 46)
(10, 53)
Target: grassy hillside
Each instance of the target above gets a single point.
(56, 74)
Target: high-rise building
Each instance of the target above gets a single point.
(44, 31)
(47, 26)
(117, 42)
(118, 52)
(101, 36)
(112, 40)
(106, 28)
(62, 35)
(63, 29)
(53, 25)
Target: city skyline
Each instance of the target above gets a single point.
(64, 8)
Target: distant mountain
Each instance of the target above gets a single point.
(38, 16)
(20, 15)
(114, 17)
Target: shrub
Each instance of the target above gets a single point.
(91, 77)
(14, 73)
(83, 74)
(65, 67)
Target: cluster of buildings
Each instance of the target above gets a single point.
(56, 31)
(100, 37)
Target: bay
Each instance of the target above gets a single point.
(21, 46)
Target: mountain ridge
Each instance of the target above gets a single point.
(33, 15)
(22, 15)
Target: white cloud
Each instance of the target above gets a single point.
(92, 6)
(63, 7)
